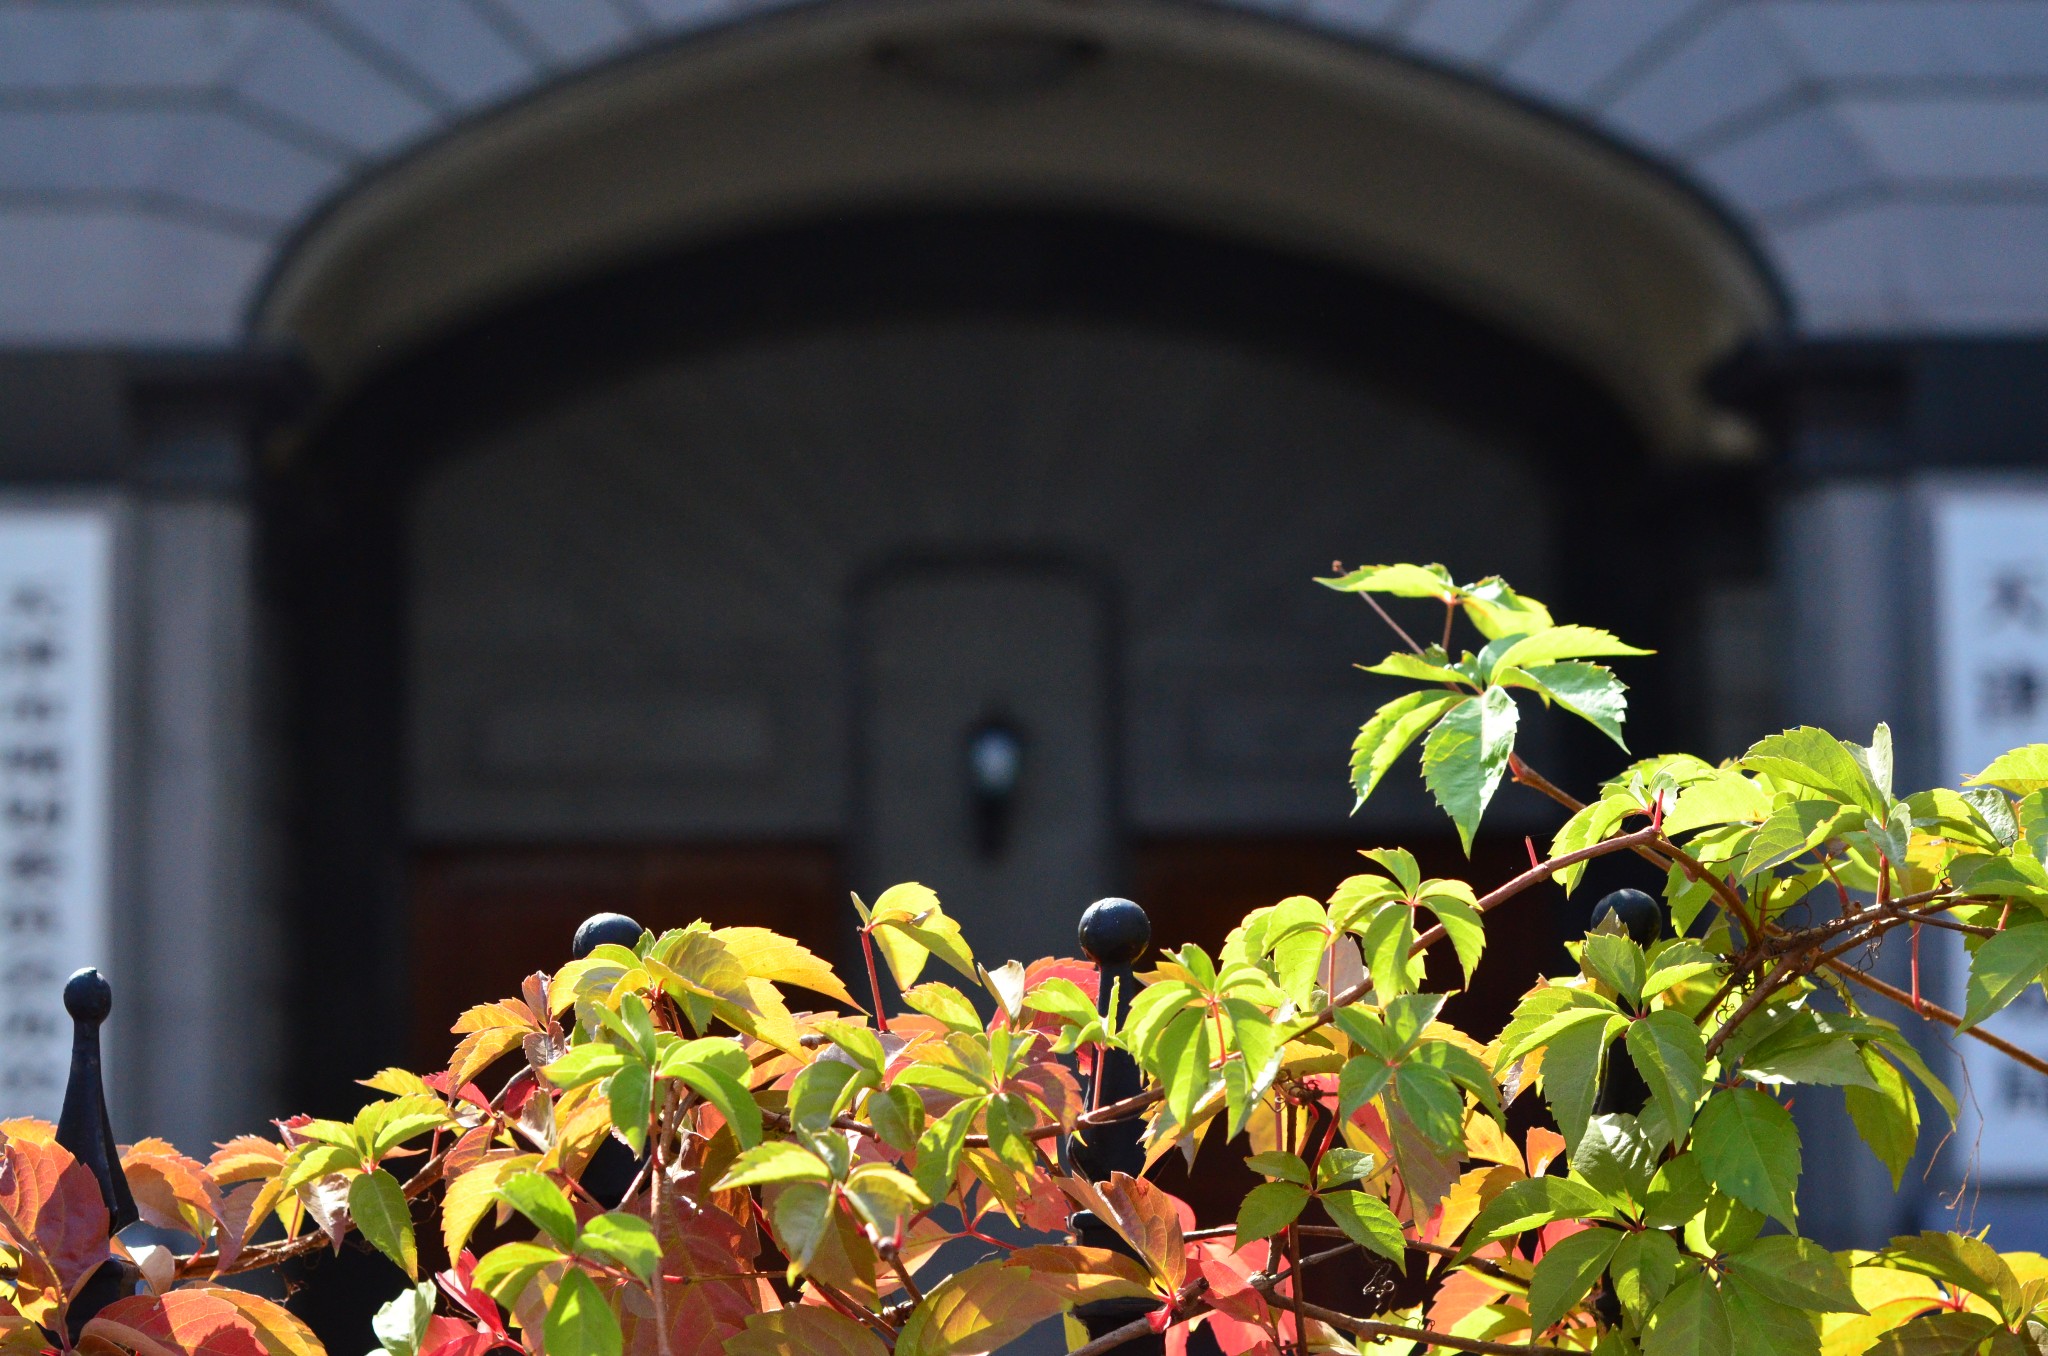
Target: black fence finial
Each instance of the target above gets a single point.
(611, 1171)
(83, 1126)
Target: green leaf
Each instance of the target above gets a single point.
(802, 1214)
(1497, 610)
(1593, 823)
(1674, 962)
(1366, 1221)
(1615, 1158)
(776, 1161)
(2022, 771)
(625, 1239)
(861, 1045)
(1942, 1334)
(1644, 1269)
(1400, 581)
(728, 1094)
(1184, 1053)
(1340, 1165)
(401, 1325)
(1268, 1208)
(1677, 1193)
(1669, 1053)
(1388, 734)
(1363, 1078)
(1764, 1326)
(1281, 1166)
(1465, 755)
(579, 1320)
(1589, 691)
(1433, 1101)
(1566, 642)
(504, 1271)
(824, 1089)
(377, 1204)
(2003, 968)
(1617, 962)
(898, 1117)
(1795, 1271)
(1400, 864)
(1886, 1114)
(1966, 1263)
(1690, 1322)
(1572, 1061)
(1427, 667)
(1802, 1050)
(944, 1003)
(1748, 1147)
(1566, 1274)
(1790, 831)
(533, 1195)
(586, 1064)
(1532, 1203)
(631, 1093)
(1386, 945)
(1727, 797)
(1811, 757)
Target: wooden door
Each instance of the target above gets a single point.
(485, 917)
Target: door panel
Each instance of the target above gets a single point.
(947, 652)
(485, 917)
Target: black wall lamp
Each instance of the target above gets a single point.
(995, 767)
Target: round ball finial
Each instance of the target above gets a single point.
(601, 928)
(1114, 932)
(88, 997)
(1639, 915)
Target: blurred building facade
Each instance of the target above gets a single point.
(700, 458)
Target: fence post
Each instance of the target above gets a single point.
(1114, 934)
(84, 1129)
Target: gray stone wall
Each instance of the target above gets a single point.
(155, 155)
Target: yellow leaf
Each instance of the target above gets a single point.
(471, 1195)
(479, 1050)
(770, 955)
(399, 1083)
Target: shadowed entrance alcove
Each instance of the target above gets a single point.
(691, 428)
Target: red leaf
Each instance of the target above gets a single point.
(55, 1201)
(459, 1282)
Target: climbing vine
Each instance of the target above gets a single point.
(705, 1140)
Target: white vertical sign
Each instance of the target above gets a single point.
(56, 681)
(1990, 552)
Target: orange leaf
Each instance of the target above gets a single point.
(277, 1328)
(171, 1190)
(183, 1323)
(244, 1159)
(1146, 1216)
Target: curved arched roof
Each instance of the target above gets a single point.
(154, 154)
